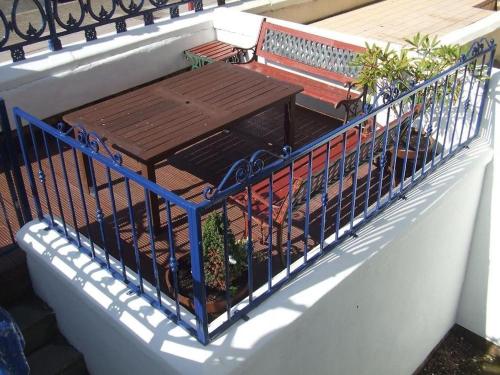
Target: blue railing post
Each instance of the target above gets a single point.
(198, 274)
(54, 42)
(486, 88)
(16, 186)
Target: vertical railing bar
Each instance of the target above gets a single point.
(341, 186)
(355, 179)
(41, 175)
(467, 101)
(370, 164)
(250, 244)
(394, 156)
(477, 94)
(324, 198)
(173, 259)
(115, 223)
(270, 235)
(408, 138)
(289, 221)
(445, 87)
(382, 158)
(226, 259)
(429, 128)
(99, 212)
(54, 41)
(54, 181)
(68, 190)
(84, 203)
(308, 201)
(420, 127)
(198, 274)
(485, 90)
(457, 112)
(450, 107)
(134, 233)
(151, 232)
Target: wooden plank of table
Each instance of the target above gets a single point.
(154, 121)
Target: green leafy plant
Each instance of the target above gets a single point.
(420, 60)
(213, 254)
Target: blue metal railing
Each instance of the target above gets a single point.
(47, 22)
(303, 202)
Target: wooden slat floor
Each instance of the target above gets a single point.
(187, 174)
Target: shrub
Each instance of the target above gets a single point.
(213, 253)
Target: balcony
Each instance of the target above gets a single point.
(357, 201)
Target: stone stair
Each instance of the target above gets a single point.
(47, 351)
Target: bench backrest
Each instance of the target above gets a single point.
(308, 52)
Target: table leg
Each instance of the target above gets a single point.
(148, 171)
(83, 164)
(290, 122)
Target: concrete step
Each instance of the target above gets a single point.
(14, 274)
(36, 321)
(60, 359)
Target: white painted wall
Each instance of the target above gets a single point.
(479, 309)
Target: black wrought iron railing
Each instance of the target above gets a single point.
(50, 20)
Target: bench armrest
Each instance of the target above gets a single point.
(353, 104)
(243, 55)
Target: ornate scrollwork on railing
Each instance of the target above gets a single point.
(82, 16)
(388, 92)
(72, 23)
(91, 140)
(4, 25)
(242, 170)
(477, 48)
(132, 8)
(104, 14)
(32, 33)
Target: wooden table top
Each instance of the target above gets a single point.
(157, 120)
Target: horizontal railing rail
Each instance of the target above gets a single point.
(48, 20)
(211, 261)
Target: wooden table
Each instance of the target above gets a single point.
(155, 121)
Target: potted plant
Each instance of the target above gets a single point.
(214, 267)
(387, 72)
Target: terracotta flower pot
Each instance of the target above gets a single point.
(214, 306)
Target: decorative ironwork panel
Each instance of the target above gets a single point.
(310, 52)
(45, 20)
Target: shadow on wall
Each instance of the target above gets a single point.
(479, 306)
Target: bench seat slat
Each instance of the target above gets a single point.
(318, 90)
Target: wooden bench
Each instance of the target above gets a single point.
(280, 199)
(209, 52)
(311, 57)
